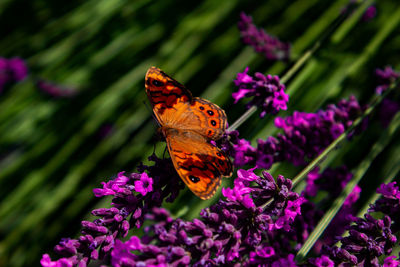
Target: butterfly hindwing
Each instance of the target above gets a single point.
(200, 164)
(213, 121)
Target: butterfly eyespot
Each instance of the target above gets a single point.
(194, 179)
(213, 122)
(219, 154)
(158, 83)
(209, 132)
(221, 162)
(210, 112)
(201, 108)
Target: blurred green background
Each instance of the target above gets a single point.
(54, 151)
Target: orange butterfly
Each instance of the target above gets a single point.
(189, 124)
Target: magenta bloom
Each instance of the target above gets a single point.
(18, 68)
(369, 238)
(388, 109)
(324, 261)
(266, 91)
(293, 208)
(305, 135)
(113, 186)
(271, 47)
(385, 77)
(280, 100)
(285, 262)
(227, 233)
(369, 14)
(55, 90)
(144, 185)
(241, 190)
(11, 71)
(389, 190)
(134, 195)
(391, 262)
(63, 262)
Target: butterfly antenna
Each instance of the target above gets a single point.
(165, 149)
(152, 113)
(154, 148)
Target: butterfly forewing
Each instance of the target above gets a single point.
(164, 92)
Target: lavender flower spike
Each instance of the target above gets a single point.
(267, 92)
(385, 77)
(134, 195)
(270, 46)
(370, 240)
(238, 231)
(11, 71)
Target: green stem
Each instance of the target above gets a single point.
(377, 148)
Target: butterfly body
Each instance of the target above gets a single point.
(188, 124)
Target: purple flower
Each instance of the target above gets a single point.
(144, 185)
(293, 208)
(280, 100)
(134, 195)
(11, 71)
(63, 262)
(388, 109)
(54, 90)
(285, 262)
(267, 92)
(241, 191)
(389, 190)
(106, 130)
(243, 78)
(266, 252)
(369, 14)
(17, 68)
(113, 186)
(325, 187)
(244, 153)
(391, 262)
(324, 261)
(312, 187)
(385, 77)
(305, 136)
(227, 233)
(389, 203)
(370, 238)
(270, 46)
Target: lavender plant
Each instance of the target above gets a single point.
(12, 70)
(271, 47)
(261, 219)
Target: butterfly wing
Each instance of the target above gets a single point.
(200, 164)
(166, 95)
(174, 106)
(212, 121)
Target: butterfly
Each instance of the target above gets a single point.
(188, 124)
